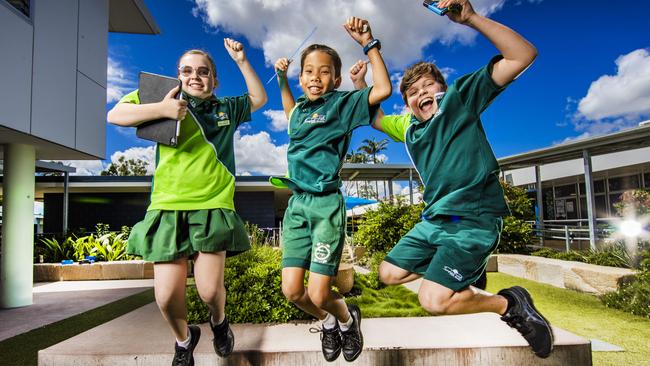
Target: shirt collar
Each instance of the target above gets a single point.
(322, 99)
(200, 104)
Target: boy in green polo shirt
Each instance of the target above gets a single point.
(192, 213)
(462, 219)
(320, 126)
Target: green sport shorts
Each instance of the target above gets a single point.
(164, 236)
(313, 232)
(448, 250)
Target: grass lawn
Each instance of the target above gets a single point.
(23, 349)
(390, 301)
(585, 315)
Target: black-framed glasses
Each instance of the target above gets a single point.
(187, 71)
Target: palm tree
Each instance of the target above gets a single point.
(373, 147)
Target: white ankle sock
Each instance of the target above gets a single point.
(185, 343)
(329, 322)
(345, 326)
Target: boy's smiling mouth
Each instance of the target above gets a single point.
(426, 104)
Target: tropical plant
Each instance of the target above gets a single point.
(373, 147)
(124, 167)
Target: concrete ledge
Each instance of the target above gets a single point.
(118, 270)
(564, 274)
(142, 338)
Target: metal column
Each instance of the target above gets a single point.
(591, 202)
(66, 199)
(411, 186)
(540, 203)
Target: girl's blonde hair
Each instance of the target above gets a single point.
(196, 51)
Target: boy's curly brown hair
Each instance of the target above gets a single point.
(414, 72)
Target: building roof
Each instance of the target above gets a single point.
(633, 138)
(130, 16)
(352, 172)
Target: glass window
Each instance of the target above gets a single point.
(599, 187)
(646, 178)
(21, 5)
(565, 191)
(623, 183)
(601, 206)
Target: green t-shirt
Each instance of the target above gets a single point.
(319, 136)
(451, 152)
(199, 173)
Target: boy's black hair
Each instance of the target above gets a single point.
(336, 59)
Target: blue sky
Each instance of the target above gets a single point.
(592, 75)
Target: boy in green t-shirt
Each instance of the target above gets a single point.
(320, 126)
(462, 219)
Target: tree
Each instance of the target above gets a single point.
(125, 167)
(373, 147)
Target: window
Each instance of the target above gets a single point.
(565, 191)
(20, 5)
(599, 187)
(601, 207)
(646, 178)
(623, 183)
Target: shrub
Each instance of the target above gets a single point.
(382, 228)
(517, 233)
(632, 296)
(253, 292)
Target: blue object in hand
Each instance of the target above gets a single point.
(432, 5)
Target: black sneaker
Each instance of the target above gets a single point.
(185, 356)
(352, 338)
(224, 339)
(330, 340)
(523, 316)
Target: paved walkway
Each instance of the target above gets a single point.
(56, 301)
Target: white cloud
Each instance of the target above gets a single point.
(401, 109)
(118, 80)
(264, 24)
(278, 119)
(626, 94)
(258, 154)
(85, 167)
(146, 154)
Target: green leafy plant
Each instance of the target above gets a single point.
(253, 290)
(517, 234)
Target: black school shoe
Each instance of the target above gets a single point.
(352, 338)
(224, 339)
(185, 356)
(523, 316)
(330, 340)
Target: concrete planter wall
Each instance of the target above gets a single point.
(119, 270)
(577, 276)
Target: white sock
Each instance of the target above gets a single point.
(185, 343)
(345, 326)
(329, 322)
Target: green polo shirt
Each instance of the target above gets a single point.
(451, 152)
(319, 137)
(199, 173)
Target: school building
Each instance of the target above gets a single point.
(54, 54)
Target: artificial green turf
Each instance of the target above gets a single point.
(586, 316)
(23, 349)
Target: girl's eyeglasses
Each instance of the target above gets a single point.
(187, 71)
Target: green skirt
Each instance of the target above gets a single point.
(164, 236)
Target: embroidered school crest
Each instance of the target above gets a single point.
(453, 272)
(223, 119)
(315, 119)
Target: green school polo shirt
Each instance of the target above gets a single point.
(199, 173)
(451, 152)
(319, 137)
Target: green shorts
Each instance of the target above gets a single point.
(449, 250)
(164, 236)
(313, 232)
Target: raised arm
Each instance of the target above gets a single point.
(517, 52)
(359, 30)
(358, 77)
(129, 115)
(256, 91)
(281, 66)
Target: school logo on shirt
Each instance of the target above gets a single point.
(322, 253)
(315, 119)
(453, 272)
(222, 119)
